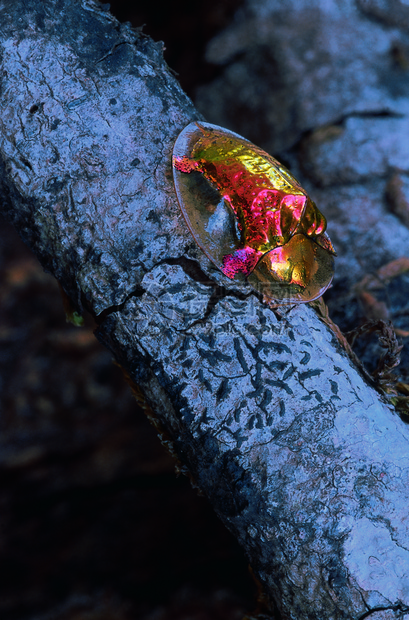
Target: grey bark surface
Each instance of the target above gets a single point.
(301, 458)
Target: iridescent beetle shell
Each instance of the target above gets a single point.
(250, 215)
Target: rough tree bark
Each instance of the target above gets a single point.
(302, 459)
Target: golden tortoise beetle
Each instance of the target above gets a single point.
(250, 216)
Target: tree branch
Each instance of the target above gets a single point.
(301, 458)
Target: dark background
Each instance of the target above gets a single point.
(185, 27)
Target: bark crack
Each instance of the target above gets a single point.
(373, 610)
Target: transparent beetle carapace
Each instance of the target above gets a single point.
(250, 216)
